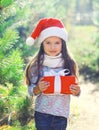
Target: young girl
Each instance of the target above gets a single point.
(51, 110)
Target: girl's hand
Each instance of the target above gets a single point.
(42, 85)
(75, 89)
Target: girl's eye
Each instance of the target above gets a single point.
(57, 43)
(47, 42)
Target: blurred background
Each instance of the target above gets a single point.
(17, 20)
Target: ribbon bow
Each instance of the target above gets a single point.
(60, 73)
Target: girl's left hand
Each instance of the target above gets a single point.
(75, 89)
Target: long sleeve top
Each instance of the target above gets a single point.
(58, 105)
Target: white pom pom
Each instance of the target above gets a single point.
(30, 41)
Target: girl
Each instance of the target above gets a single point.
(51, 111)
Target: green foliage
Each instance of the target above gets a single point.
(10, 37)
(11, 63)
(2, 106)
(14, 101)
(24, 113)
(5, 3)
(11, 68)
(85, 48)
(12, 91)
(30, 126)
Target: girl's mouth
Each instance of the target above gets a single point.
(52, 51)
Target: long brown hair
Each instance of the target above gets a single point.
(37, 61)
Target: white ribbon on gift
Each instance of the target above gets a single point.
(57, 82)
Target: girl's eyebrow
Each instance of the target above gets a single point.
(46, 41)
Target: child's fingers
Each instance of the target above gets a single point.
(75, 89)
(43, 85)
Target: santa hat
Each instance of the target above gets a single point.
(45, 28)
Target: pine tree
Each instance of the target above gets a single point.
(11, 63)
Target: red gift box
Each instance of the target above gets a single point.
(63, 87)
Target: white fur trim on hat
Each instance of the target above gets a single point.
(53, 31)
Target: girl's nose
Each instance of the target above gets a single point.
(52, 46)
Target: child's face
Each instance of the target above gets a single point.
(52, 46)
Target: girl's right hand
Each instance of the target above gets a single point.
(42, 85)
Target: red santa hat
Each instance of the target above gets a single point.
(45, 28)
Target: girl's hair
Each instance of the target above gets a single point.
(35, 64)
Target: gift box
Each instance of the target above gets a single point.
(59, 84)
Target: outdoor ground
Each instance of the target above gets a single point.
(84, 113)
